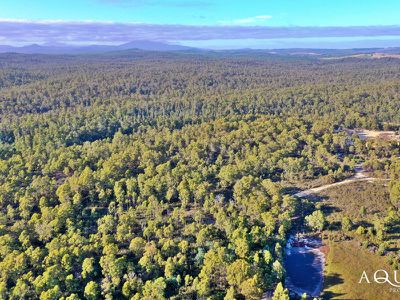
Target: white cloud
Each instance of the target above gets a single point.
(61, 21)
(250, 20)
(28, 32)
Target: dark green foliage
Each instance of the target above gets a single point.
(148, 177)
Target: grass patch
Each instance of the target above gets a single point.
(344, 266)
(364, 203)
(347, 200)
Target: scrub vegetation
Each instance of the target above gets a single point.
(143, 175)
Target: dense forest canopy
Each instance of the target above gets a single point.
(140, 175)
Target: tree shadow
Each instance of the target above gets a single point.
(394, 229)
(290, 190)
(332, 280)
(315, 198)
(393, 249)
(328, 209)
(363, 223)
(394, 237)
(335, 226)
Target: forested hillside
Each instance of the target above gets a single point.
(140, 175)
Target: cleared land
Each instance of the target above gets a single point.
(317, 190)
(358, 176)
(376, 55)
(344, 266)
(346, 259)
(347, 201)
(375, 134)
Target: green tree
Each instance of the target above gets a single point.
(92, 291)
(395, 193)
(278, 269)
(137, 246)
(280, 293)
(154, 290)
(316, 220)
(347, 225)
(251, 288)
(237, 272)
(230, 294)
(88, 268)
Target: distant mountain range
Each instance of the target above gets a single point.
(71, 49)
(146, 45)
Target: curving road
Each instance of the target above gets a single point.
(358, 176)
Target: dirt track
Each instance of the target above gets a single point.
(359, 176)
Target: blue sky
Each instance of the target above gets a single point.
(75, 21)
(210, 12)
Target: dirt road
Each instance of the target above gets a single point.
(358, 176)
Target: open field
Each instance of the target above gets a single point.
(376, 55)
(359, 177)
(347, 200)
(344, 266)
(375, 134)
(346, 260)
(364, 203)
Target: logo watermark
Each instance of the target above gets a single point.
(390, 279)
